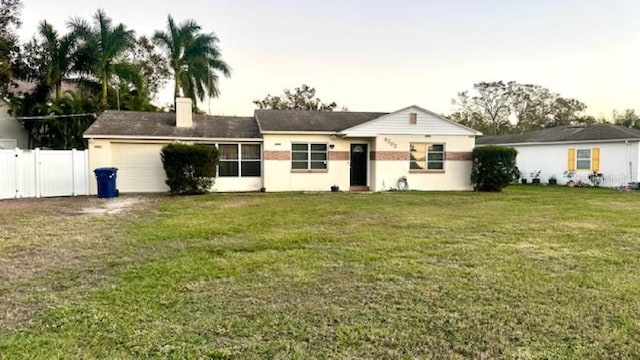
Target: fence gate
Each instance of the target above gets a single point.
(43, 173)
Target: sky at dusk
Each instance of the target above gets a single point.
(385, 55)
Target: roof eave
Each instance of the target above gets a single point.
(366, 134)
(563, 142)
(273, 132)
(470, 130)
(169, 138)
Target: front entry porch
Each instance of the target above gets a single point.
(359, 166)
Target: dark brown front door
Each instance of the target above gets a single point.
(359, 164)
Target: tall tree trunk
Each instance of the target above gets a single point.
(105, 81)
(176, 90)
(58, 90)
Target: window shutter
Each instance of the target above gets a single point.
(571, 160)
(595, 159)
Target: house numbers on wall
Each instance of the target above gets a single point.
(391, 143)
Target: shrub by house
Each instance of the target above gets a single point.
(190, 169)
(493, 167)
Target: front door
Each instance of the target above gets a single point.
(359, 164)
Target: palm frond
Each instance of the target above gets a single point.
(194, 57)
(130, 74)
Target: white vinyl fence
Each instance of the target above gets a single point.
(43, 173)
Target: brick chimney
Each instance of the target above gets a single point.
(184, 115)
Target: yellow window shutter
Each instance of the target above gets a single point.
(571, 160)
(595, 159)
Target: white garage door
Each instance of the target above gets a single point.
(139, 167)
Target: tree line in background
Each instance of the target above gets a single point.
(499, 108)
(98, 65)
(301, 98)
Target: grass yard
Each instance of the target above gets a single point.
(533, 272)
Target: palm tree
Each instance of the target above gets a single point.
(66, 133)
(102, 50)
(58, 57)
(194, 58)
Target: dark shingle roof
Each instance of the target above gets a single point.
(569, 133)
(302, 120)
(147, 124)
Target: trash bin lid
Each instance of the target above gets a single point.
(105, 172)
(110, 170)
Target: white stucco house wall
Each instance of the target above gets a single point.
(607, 149)
(12, 133)
(291, 150)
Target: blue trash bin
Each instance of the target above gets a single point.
(106, 178)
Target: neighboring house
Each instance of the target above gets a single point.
(21, 87)
(12, 133)
(607, 149)
(290, 150)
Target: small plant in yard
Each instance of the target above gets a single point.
(553, 180)
(596, 178)
(523, 179)
(535, 176)
(569, 174)
(190, 169)
(516, 174)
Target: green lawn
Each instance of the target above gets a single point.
(533, 272)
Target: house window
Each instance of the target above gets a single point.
(309, 156)
(239, 160)
(427, 156)
(583, 159)
(250, 160)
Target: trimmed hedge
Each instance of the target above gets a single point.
(493, 167)
(190, 169)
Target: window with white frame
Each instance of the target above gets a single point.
(308, 156)
(583, 159)
(425, 156)
(240, 160)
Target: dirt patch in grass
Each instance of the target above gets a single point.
(73, 205)
(110, 206)
(40, 237)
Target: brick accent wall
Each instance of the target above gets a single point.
(389, 155)
(286, 155)
(277, 155)
(458, 156)
(404, 156)
(374, 155)
(338, 155)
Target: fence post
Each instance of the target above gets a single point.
(73, 172)
(16, 168)
(86, 170)
(36, 164)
